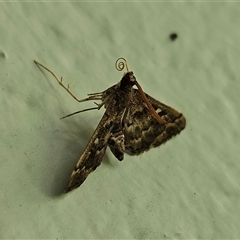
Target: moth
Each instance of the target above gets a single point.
(133, 122)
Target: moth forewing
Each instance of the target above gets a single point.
(93, 154)
(142, 131)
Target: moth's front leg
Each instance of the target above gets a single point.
(117, 144)
(116, 141)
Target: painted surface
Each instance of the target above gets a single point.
(187, 188)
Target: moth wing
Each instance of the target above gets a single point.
(142, 131)
(93, 153)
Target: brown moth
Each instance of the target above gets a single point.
(133, 122)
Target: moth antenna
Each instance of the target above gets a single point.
(121, 63)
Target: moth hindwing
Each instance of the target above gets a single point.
(133, 122)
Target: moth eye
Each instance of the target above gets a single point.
(132, 78)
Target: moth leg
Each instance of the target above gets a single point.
(116, 143)
(93, 96)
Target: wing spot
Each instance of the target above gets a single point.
(158, 110)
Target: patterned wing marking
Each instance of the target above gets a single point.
(142, 131)
(93, 153)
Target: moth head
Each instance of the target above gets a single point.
(128, 78)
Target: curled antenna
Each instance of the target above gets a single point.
(121, 63)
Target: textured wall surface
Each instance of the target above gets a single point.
(187, 188)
